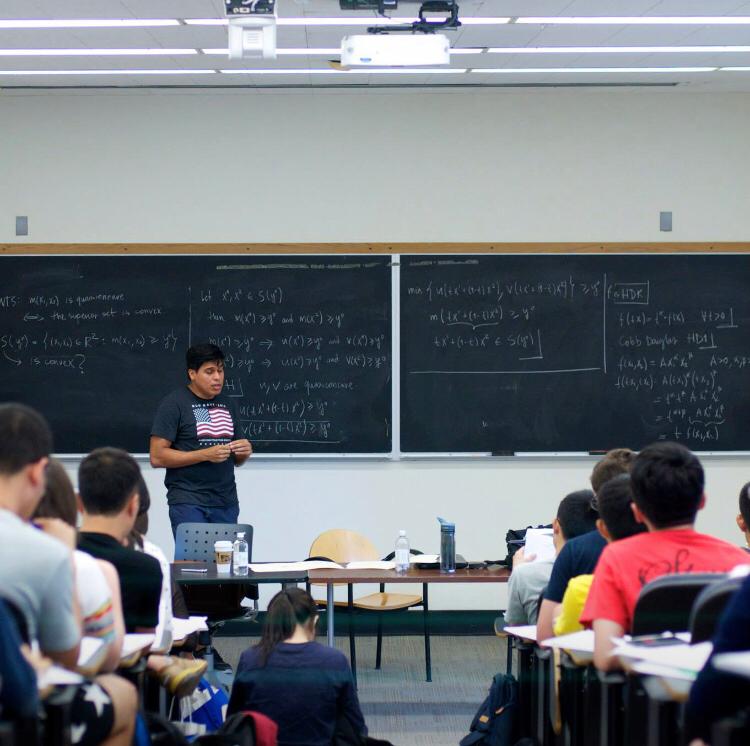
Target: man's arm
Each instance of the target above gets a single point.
(162, 454)
(604, 631)
(546, 620)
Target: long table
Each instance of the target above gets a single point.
(414, 575)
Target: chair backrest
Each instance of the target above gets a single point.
(709, 606)
(342, 545)
(664, 604)
(195, 541)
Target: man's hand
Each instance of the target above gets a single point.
(520, 558)
(217, 454)
(59, 530)
(241, 448)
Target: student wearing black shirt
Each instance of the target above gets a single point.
(108, 480)
(195, 436)
(305, 687)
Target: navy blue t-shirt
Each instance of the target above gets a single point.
(578, 557)
(303, 688)
(18, 690)
(716, 694)
(191, 423)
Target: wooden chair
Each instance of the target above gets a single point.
(342, 546)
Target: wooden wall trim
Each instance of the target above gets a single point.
(374, 248)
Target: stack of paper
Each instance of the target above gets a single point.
(320, 565)
(181, 628)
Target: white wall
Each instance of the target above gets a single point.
(384, 166)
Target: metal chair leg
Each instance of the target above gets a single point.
(427, 656)
(352, 648)
(379, 647)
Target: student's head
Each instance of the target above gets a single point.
(205, 369)
(575, 517)
(108, 480)
(617, 461)
(615, 503)
(289, 610)
(25, 446)
(59, 499)
(667, 481)
(743, 518)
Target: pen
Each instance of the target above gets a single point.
(193, 569)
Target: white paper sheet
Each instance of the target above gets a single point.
(135, 642)
(181, 628)
(737, 663)
(525, 631)
(580, 642)
(539, 543)
(680, 656)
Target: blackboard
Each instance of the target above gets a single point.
(95, 342)
(530, 353)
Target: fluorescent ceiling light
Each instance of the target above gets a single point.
(613, 50)
(362, 71)
(332, 52)
(294, 51)
(545, 70)
(736, 69)
(94, 52)
(639, 20)
(106, 72)
(89, 23)
(349, 21)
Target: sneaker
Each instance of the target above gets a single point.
(182, 675)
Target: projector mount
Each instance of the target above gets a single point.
(425, 25)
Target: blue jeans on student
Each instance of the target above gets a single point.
(182, 513)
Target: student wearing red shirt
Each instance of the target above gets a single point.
(667, 481)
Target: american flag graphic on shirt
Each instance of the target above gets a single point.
(213, 422)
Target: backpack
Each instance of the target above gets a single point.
(495, 721)
(243, 729)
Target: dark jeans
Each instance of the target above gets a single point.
(183, 513)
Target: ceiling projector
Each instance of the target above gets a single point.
(387, 50)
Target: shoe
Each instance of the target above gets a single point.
(181, 676)
(219, 663)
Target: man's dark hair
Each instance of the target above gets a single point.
(745, 503)
(25, 437)
(617, 461)
(575, 514)
(59, 499)
(197, 355)
(107, 479)
(667, 481)
(614, 499)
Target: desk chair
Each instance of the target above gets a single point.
(665, 604)
(342, 546)
(708, 608)
(220, 603)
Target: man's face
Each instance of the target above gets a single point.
(208, 380)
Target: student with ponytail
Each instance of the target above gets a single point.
(305, 687)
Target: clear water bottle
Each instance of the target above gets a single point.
(239, 554)
(401, 557)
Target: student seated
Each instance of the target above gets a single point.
(743, 517)
(616, 521)
(97, 585)
(716, 695)
(18, 688)
(575, 517)
(667, 481)
(580, 555)
(303, 686)
(37, 577)
(109, 481)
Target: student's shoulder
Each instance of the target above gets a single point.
(327, 656)
(36, 544)
(176, 396)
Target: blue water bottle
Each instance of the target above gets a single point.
(447, 546)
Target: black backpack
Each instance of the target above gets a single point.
(495, 721)
(515, 538)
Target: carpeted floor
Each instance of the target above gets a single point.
(397, 702)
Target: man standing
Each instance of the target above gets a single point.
(193, 436)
